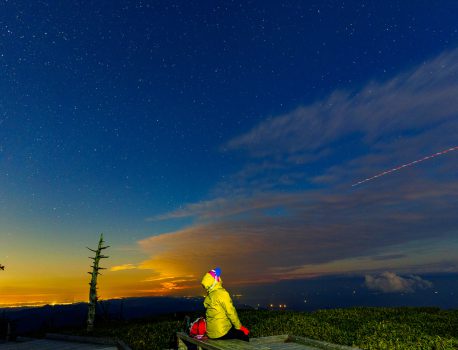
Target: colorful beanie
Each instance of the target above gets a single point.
(216, 273)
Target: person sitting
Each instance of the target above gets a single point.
(221, 316)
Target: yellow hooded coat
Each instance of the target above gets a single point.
(221, 314)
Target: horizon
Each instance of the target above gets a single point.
(280, 141)
(324, 292)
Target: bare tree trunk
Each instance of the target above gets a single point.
(93, 284)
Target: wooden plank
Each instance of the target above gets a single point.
(184, 340)
(231, 344)
(278, 342)
(290, 346)
(270, 339)
(44, 344)
(212, 344)
(81, 339)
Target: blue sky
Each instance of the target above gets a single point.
(225, 134)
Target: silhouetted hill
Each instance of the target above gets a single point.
(48, 317)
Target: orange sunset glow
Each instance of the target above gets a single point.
(290, 143)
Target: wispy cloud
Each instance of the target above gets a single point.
(174, 279)
(351, 135)
(123, 267)
(221, 207)
(291, 211)
(167, 284)
(390, 282)
(327, 228)
(424, 97)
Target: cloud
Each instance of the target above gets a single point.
(290, 211)
(221, 207)
(390, 282)
(389, 257)
(165, 288)
(351, 135)
(320, 233)
(123, 267)
(424, 97)
(342, 139)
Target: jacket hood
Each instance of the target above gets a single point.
(209, 282)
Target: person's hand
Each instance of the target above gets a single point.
(244, 330)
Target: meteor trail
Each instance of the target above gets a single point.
(405, 165)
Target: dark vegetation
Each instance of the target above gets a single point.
(364, 327)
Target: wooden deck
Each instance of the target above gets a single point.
(279, 342)
(54, 341)
(48, 344)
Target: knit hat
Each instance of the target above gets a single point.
(211, 279)
(216, 273)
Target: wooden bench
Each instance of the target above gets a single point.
(278, 342)
(229, 344)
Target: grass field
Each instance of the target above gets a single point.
(366, 328)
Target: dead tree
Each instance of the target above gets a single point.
(93, 284)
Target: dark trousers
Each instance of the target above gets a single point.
(235, 334)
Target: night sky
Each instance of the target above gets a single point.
(196, 134)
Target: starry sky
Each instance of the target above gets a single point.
(225, 133)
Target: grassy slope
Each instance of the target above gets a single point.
(367, 328)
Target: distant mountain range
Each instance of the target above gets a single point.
(26, 320)
(437, 290)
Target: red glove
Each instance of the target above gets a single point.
(244, 330)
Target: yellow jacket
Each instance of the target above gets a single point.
(221, 314)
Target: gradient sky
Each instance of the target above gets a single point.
(210, 133)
